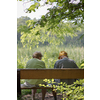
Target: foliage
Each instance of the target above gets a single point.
(74, 91)
(62, 10)
(33, 36)
(53, 27)
(68, 39)
(21, 63)
(21, 21)
(82, 64)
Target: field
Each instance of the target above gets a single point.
(50, 54)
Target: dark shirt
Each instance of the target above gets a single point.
(65, 63)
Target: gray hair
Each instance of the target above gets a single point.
(37, 54)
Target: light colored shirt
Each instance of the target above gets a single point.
(35, 63)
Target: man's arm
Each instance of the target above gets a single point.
(55, 65)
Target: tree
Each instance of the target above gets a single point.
(76, 40)
(21, 21)
(33, 36)
(63, 10)
(54, 22)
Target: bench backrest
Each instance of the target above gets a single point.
(68, 73)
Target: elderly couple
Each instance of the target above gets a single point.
(36, 62)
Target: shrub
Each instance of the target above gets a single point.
(74, 91)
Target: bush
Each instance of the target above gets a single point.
(74, 91)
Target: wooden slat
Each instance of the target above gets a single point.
(68, 73)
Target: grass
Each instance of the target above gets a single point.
(50, 54)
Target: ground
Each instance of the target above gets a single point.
(38, 96)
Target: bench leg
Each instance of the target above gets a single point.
(33, 93)
(18, 84)
(54, 94)
(43, 93)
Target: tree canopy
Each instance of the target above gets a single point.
(63, 10)
(21, 21)
(62, 19)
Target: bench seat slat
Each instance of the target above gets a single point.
(38, 88)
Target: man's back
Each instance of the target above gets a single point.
(66, 63)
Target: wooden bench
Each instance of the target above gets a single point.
(65, 73)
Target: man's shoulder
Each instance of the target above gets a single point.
(65, 59)
(57, 61)
(71, 60)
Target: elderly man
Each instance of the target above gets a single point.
(65, 62)
(35, 62)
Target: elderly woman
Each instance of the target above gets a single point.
(35, 62)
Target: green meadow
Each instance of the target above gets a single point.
(50, 54)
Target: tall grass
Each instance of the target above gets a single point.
(50, 54)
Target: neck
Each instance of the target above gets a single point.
(63, 57)
(37, 58)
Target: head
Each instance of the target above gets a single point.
(37, 55)
(62, 55)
